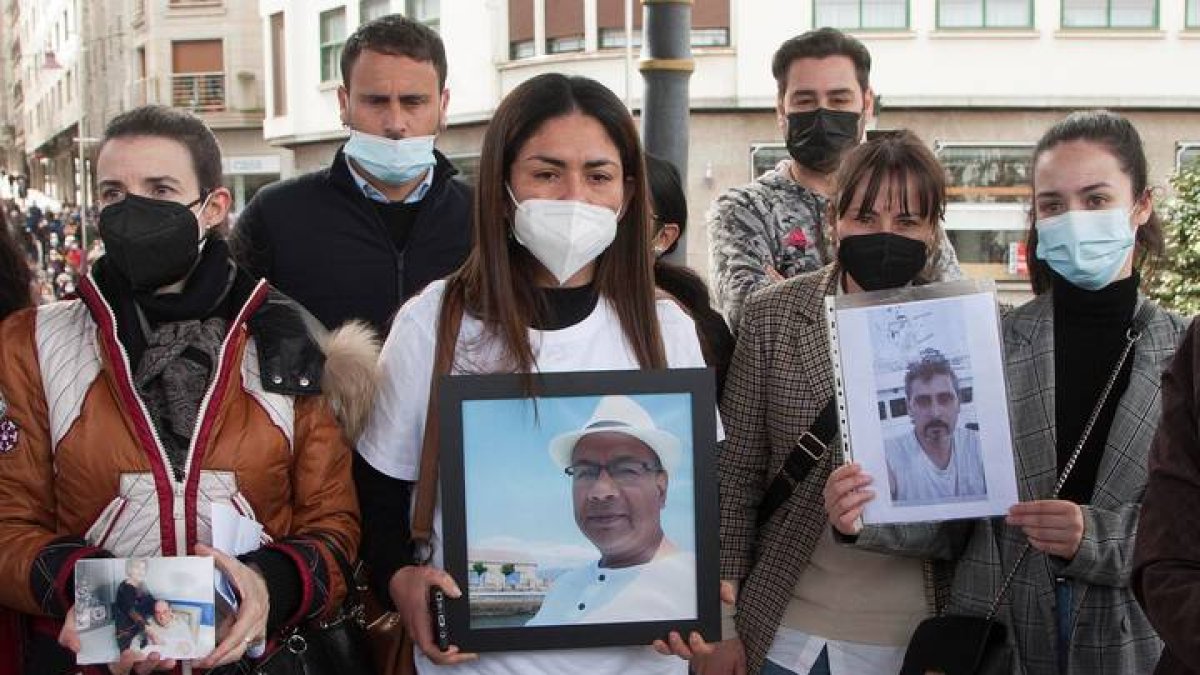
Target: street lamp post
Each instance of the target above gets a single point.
(666, 67)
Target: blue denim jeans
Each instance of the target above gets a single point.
(1064, 602)
(821, 667)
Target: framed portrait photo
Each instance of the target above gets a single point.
(922, 400)
(585, 516)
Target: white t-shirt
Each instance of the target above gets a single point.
(919, 480)
(660, 590)
(391, 442)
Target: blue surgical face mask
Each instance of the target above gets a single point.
(1087, 248)
(394, 162)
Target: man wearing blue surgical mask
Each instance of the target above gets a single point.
(357, 239)
(773, 228)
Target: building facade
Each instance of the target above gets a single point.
(979, 80)
(78, 63)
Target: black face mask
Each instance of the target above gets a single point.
(151, 242)
(817, 138)
(881, 260)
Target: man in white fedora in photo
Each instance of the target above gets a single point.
(620, 464)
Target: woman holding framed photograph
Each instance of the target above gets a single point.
(560, 278)
(1084, 360)
(804, 603)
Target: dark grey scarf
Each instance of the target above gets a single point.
(172, 377)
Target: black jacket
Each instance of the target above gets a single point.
(319, 239)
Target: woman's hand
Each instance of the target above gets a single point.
(846, 495)
(132, 661)
(726, 657)
(1054, 526)
(409, 589)
(249, 625)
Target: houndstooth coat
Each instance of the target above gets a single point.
(780, 379)
(1110, 635)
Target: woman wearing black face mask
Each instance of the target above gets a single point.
(176, 382)
(804, 604)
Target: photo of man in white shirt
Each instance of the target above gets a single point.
(935, 460)
(619, 465)
(170, 632)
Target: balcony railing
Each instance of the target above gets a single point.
(198, 92)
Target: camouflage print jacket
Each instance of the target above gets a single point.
(775, 221)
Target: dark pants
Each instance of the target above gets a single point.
(1064, 602)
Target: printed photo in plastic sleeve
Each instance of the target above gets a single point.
(923, 405)
(135, 607)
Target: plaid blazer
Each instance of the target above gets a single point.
(1110, 634)
(780, 379)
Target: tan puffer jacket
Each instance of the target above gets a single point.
(82, 471)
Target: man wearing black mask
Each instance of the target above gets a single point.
(773, 228)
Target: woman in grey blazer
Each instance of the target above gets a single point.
(1070, 609)
(807, 605)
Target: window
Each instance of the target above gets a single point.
(986, 174)
(564, 26)
(520, 29)
(523, 50)
(985, 13)
(1109, 14)
(610, 23)
(987, 190)
(333, 36)
(563, 45)
(428, 12)
(861, 14)
(1188, 154)
(614, 38)
(278, 66)
(710, 23)
(710, 37)
(1193, 14)
(198, 75)
(764, 157)
(369, 10)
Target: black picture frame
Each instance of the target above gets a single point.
(457, 391)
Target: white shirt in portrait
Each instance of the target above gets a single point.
(919, 481)
(663, 589)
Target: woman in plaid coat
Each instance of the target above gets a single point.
(1070, 609)
(805, 604)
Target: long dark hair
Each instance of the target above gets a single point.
(15, 276)
(1117, 135)
(666, 196)
(496, 283)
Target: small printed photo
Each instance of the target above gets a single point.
(924, 385)
(586, 512)
(142, 606)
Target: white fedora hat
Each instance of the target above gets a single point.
(623, 415)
